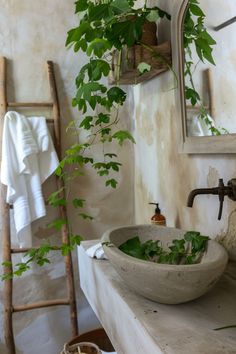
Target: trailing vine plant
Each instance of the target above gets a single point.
(196, 37)
(105, 26)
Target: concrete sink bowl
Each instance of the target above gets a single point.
(164, 283)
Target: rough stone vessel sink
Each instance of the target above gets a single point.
(164, 283)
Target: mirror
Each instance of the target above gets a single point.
(207, 124)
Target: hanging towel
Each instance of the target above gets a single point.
(197, 126)
(96, 251)
(28, 159)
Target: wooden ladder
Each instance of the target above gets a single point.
(8, 251)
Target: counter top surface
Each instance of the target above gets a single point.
(137, 325)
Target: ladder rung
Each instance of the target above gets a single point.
(11, 205)
(25, 249)
(40, 304)
(20, 250)
(196, 108)
(30, 104)
(51, 121)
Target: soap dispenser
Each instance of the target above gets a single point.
(158, 218)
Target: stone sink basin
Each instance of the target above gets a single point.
(164, 283)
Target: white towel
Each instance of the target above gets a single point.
(28, 159)
(96, 251)
(198, 127)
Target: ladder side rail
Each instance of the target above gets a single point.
(62, 208)
(5, 219)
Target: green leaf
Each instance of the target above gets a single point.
(82, 44)
(87, 92)
(88, 160)
(203, 46)
(81, 5)
(75, 34)
(114, 166)
(6, 276)
(105, 132)
(103, 173)
(143, 67)
(21, 268)
(110, 155)
(125, 32)
(111, 182)
(99, 12)
(78, 203)
(133, 248)
(99, 165)
(191, 235)
(103, 118)
(151, 249)
(65, 249)
(117, 95)
(98, 47)
(153, 16)
(161, 12)
(191, 95)
(196, 10)
(7, 264)
(85, 216)
(42, 261)
(198, 242)
(123, 135)
(75, 240)
(57, 224)
(86, 123)
(55, 199)
(120, 6)
(98, 68)
(205, 35)
(74, 149)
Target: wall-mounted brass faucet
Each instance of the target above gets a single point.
(221, 191)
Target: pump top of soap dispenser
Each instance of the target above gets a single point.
(158, 218)
(157, 209)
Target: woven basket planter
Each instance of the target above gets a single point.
(81, 348)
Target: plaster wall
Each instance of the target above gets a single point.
(165, 176)
(32, 32)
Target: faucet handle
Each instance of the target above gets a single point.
(221, 196)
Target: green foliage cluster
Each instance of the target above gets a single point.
(188, 250)
(39, 256)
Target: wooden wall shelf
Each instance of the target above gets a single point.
(129, 74)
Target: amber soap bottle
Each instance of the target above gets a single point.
(158, 218)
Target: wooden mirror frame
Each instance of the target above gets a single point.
(222, 144)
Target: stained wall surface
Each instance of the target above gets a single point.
(165, 176)
(32, 32)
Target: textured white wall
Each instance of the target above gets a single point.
(32, 32)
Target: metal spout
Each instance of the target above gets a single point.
(221, 191)
(195, 192)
